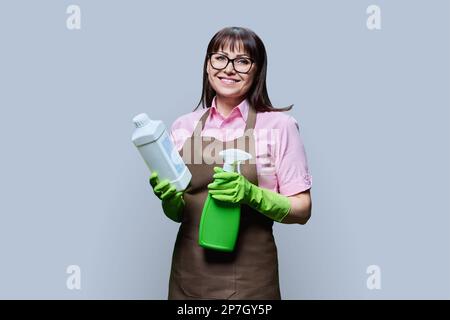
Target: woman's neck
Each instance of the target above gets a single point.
(225, 104)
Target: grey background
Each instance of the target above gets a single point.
(373, 110)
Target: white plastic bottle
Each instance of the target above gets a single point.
(159, 153)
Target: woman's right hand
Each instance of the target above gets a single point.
(172, 201)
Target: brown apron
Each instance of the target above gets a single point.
(251, 270)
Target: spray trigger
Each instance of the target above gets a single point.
(232, 158)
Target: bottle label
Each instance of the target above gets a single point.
(170, 149)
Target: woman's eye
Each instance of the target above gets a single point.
(220, 58)
(243, 61)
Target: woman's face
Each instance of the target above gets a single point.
(228, 82)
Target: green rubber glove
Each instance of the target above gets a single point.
(171, 200)
(235, 188)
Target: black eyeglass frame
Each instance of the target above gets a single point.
(232, 62)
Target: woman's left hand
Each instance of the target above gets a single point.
(229, 186)
(235, 188)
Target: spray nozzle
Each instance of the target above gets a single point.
(232, 158)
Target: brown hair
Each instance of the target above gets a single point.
(257, 95)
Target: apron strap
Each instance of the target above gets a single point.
(251, 119)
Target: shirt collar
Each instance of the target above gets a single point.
(241, 109)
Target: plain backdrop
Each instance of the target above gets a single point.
(372, 107)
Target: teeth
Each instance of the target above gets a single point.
(228, 80)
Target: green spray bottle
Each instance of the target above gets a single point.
(219, 223)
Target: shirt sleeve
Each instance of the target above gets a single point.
(291, 162)
(179, 133)
(173, 135)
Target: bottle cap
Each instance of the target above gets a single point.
(141, 120)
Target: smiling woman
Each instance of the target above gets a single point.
(229, 77)
(235, 99)
(239, 55)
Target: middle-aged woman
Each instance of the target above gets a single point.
(275, 187)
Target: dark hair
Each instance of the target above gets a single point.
(257, 95)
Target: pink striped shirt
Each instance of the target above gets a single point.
(281, 161)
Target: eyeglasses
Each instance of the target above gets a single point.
(219, 62)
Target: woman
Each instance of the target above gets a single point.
(275, 187)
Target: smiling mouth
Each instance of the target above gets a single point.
(228, 80)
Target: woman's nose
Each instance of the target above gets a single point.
(229, 68)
